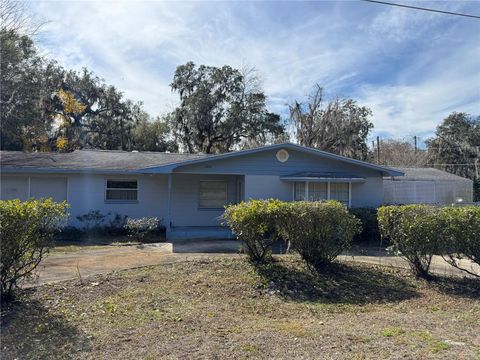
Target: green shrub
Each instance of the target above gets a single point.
(139, 229)
(318, 231)
(413, 231)
(254, 223)
(27, 230)
(93, 222)
(369, 232)
(460, 235)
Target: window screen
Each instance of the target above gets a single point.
(212, 194)
(339, 191)
(122, 190)
(317, 191)
(299, 191)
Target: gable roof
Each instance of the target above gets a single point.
(106, 161)
(424, 173)
(324, 154)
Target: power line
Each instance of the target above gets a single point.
(424, 9)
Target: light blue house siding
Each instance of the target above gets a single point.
(171, 191)
(262, 173)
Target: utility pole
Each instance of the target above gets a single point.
(378, 150)
(415, 139)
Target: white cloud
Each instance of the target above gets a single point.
(394, 60)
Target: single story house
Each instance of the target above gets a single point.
(427, 186)
(189, 191)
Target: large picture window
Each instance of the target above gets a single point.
(126, 190)
(212, 194)
(318, 191)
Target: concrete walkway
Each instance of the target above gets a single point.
(83, 263)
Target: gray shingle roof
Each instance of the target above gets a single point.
(90, 160)
(427, 174)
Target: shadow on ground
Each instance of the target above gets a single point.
(43, 335)
(456, 286)
(341, 284)
(218, 246)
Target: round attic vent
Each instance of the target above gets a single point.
(282, 155)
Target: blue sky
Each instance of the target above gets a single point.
(412, 68)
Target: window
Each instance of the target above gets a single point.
(340, 192)
(299, 191)
(123, 190)
(212, 194)
(317, 191)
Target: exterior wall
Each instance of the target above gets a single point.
(184, 201)
(87, 192)
(427, 191)
(266, 187)
(263, 170)
(368, 193)
(14, 187)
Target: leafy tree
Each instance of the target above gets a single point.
(340, 127)
(456, 145)
(219, 108)
(90, 113)
(152, 135)
(45, 107)
(22, 87)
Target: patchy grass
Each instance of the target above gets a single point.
(225, 307)
(96, 242)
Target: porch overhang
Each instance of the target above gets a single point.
(322, 177)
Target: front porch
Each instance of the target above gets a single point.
(195, 204)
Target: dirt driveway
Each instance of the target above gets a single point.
(83, 263)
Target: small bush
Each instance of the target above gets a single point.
(413, 231)
(318, 231)
(460, 235)
(27, 230)
(116, 225)
(139, 229)
(254, 223)
(92, 222)
(369, 233)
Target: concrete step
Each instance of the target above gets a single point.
(199, 233)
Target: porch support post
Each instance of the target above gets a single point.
(306, 190)
(169, 202)
(350, 194)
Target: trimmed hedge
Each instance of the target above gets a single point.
(460, 235)
(27, 230)
(420, 231)
(318, 231)
(413, 231)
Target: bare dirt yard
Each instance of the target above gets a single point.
(227, 308)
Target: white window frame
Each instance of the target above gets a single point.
(225, 183)
(328, 190)
(106, 188)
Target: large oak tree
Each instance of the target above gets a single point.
(220, 107)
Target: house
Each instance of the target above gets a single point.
(189, 191)
(427, 186)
